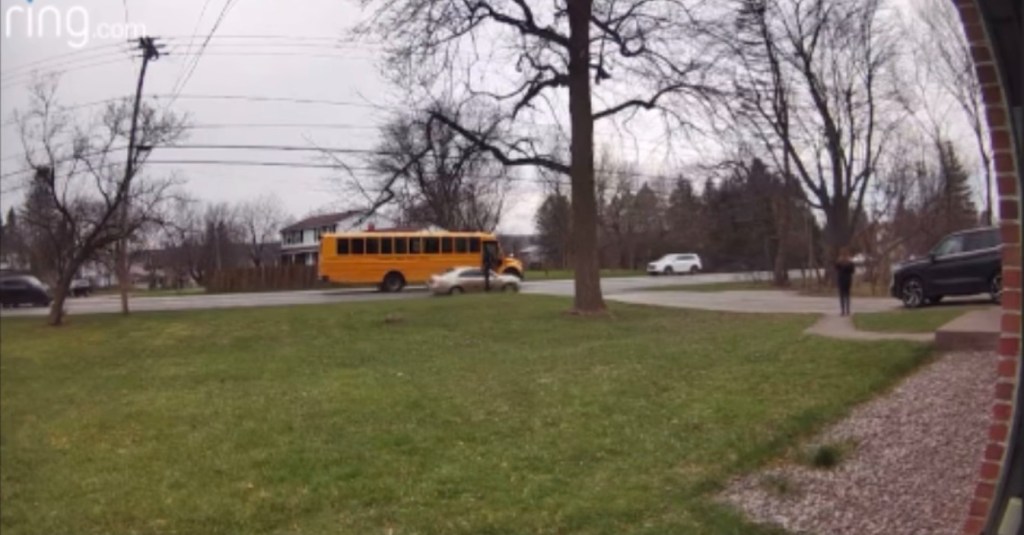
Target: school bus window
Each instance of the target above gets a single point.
(401, 246)
(431, 245)
(415, 246)
(446, 245)
(461, 246)
(358, 245)
(372, 245)
(385, 246)
(342, 246)
(474, 245)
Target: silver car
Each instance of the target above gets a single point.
(469, 279)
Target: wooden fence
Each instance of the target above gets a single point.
(264, 279)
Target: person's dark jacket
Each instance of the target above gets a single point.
(844, 273)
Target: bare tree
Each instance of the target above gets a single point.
(82, 196)
(431, 175)
(942, 50)
(260, 220)
(181, 236)
(811, 90)
(635, 51)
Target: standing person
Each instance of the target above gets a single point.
(844, 279)
(488, 260)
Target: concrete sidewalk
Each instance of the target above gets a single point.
(840, 327)
(756, 301)
(831, 324)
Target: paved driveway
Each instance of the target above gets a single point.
(614, 286)
(764, 301)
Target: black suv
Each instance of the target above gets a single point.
(963, 263)
(16, 290)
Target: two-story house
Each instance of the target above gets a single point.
(300, 241)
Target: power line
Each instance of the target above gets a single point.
(272, 37)
(19, 79)
(285, 148)
(288, 100)
(321, 45)
(84, 52)
(71, 59)
(329, 126)
(302, 165)
(240, 98)
(191, 40)
(177, 89)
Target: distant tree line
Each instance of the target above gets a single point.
(750, 218)
(732, 222)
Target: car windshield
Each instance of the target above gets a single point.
(667, 257)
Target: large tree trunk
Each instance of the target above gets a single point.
(839, 234)
(780, 275)
(123, 275)
(60, 294)
(588, 298)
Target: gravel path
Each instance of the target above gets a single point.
(911, 470)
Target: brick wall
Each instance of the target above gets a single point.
(1007, 178)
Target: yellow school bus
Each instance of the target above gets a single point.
(393, 259)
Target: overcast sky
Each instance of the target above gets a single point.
(314, 66)
(276, 49)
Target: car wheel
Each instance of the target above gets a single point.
(509, 288)
(694, 270)
(393, 282)
(995, 288)
(456, 290)
(669, 271)
(912, 293)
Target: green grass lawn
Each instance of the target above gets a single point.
(920, 320)
(562, 274)
(476, 415)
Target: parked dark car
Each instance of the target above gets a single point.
(964, 263)
(23, 289)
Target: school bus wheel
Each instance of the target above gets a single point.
(393, 282)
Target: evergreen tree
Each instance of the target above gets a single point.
(956, 209)
(685, 218)
(648, 228)
(554, 229)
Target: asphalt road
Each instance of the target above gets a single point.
(109, 304)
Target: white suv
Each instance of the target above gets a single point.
(671, 264)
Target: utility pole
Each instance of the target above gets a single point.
(150, 51)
